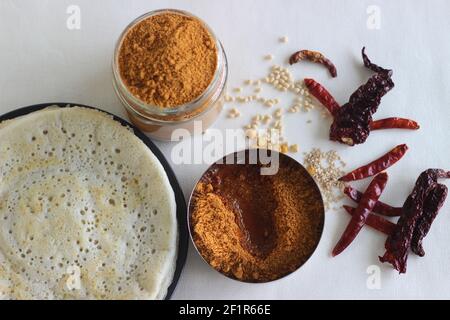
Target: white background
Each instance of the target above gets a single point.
(42, 61)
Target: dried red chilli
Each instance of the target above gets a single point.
(380, 207)
(315, 57)
(394, 123)
(377, 165)
(433, 203)
(322, 94)
(374, 221)
(399, 242)
(328, 101)
(365, 207)
(352, 121)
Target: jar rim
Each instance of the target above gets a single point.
(148, 110)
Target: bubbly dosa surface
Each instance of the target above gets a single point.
(86, 210)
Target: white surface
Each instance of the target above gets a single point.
(42, 61)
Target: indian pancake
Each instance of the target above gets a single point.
(86, 210)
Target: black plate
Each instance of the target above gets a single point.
(183, 236)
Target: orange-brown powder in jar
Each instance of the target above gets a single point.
(167, 59)
(256, 228)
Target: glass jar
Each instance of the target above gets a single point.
(159, 122)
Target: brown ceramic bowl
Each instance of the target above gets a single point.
(252, 227)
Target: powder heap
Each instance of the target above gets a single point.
(256, 228)
(168, 59)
